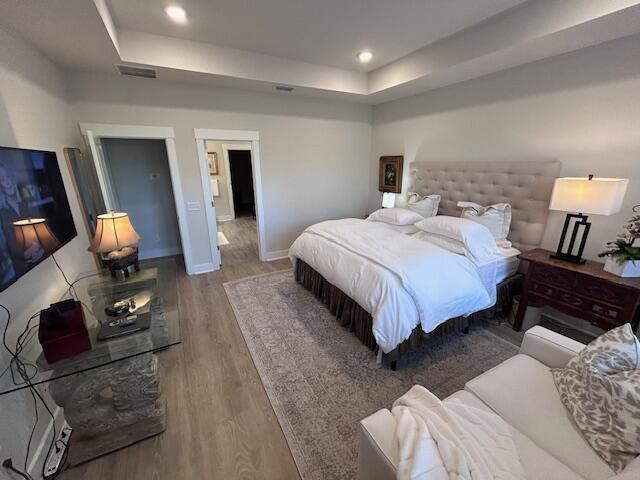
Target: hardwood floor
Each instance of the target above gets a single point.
(243, 240)
(220, 424)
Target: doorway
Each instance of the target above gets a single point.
(241, 175)
(141, 183)
(97, 133)
(231, 181)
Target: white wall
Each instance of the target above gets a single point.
(581, 108)
(314, 153)
(141, 179)
(34, 114)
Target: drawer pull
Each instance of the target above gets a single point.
(604, 311)
(543, 290)
(570, 299)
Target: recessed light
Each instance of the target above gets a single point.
(176, 13)
(365, 57)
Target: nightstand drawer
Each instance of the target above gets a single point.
(603, 291)
(544, 290)
(553, 276)
(571, 300)
(612, 314)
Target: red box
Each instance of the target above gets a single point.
(63, 334)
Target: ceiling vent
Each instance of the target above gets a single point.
(130, 71)
(284, 88)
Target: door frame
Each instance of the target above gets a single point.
(102, 130)
(225, 154)
(253, 137)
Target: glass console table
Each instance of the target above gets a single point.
(110, 394)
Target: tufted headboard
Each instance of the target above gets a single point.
(526, 185)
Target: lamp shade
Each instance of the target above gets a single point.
(35, 234)
(598, 196)
(113, 232)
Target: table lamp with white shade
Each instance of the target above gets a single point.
(116, 241)
(591, 195)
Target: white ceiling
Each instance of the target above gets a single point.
(312, 45)
(68, 31)
(325, 32)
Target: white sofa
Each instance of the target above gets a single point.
(521, 390)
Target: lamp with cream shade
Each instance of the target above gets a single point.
(591, 195)
(116, 241)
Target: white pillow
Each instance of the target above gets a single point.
(497, 218)
(404, 229)
(395, 216)
(425, 206)
(479, 244)
(445, 242)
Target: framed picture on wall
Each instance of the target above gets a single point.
(213, 163)
(390, 176)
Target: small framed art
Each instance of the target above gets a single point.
(213, 163)
(390, 176)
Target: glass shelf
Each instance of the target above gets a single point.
(155, 283)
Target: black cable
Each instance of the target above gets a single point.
(61, 271)
(8, 464)
(27, 380)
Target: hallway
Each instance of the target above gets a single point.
(242, 236)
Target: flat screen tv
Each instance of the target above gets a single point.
(30, 187)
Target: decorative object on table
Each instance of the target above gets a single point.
(34, 239)
(62, 331)
(124, 326)
(390, 175)
(212, 157)
(623, 256)
(132, 316)
(598, 196)
(117, 308)
(388, 200)
(584, 291)
(116, 241)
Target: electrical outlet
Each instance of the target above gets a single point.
(54, 462)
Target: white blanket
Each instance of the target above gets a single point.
(452, 441)
(401, 281)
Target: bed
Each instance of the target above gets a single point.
(393, 291)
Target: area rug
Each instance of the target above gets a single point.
(322, 381)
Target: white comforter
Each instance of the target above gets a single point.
(401, 281)
(452, 441)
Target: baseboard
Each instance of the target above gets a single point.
(277, 255)
(159, 252)
(203, 268)
(224, 218)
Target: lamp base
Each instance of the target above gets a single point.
(568, 258)
(567, 254)
(121, 260)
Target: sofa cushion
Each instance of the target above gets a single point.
(521, 390)
(537, 464)
(601, 388)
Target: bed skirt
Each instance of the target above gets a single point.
(358, 321)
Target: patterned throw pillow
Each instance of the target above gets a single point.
(601, 388)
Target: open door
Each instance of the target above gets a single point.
(209, 199)
(102, 171)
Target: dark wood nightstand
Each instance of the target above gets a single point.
(584, 291)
